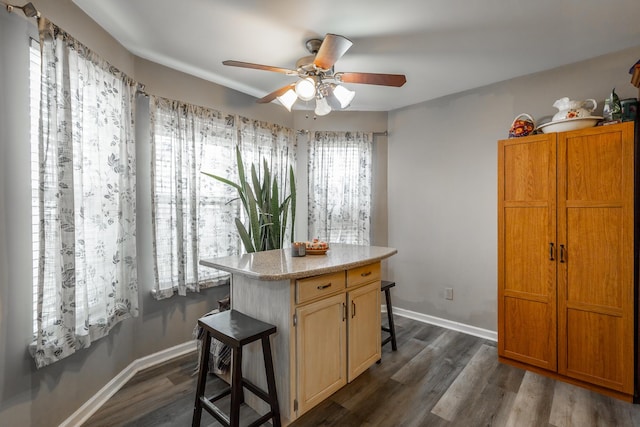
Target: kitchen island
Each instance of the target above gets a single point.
(327, 312)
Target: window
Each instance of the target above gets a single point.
(340, 170)
(194, 215)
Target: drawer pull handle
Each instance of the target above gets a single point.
(321, 287)
(368, 273)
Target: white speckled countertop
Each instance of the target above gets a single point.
(280, 265)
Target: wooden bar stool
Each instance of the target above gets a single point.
(235, 329)
(386, 288)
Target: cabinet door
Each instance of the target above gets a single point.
(364, 328)
(321, 350)
(596, 271)
(527, 250)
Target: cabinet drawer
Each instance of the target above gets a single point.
(365, 274)
(317, 286)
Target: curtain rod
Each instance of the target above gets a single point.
(385, 133)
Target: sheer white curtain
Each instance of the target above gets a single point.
(190, 213)
(340, 171)
(87, 277)
(194, 215)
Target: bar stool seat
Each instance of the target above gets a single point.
(236, 330)
(385, 287)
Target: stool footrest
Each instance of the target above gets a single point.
(255, 390)
(220, 395)
(263, 419)
(214, 411)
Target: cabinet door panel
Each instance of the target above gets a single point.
(321, 350)
(529, 332)
(596, 279)
(364, 328)
(527, 249)
(594, 267)
(595, 349)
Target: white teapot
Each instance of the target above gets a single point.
(573, 109)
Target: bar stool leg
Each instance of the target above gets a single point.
(392, 328)
(271, 381)
(236, 388)
(202, 380)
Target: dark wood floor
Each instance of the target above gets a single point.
(436, 378)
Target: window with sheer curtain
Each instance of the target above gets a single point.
(340, 173)
(85, 196)
(193, 214)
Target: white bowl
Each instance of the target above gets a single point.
(569, 124)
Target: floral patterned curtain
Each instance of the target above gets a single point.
(87, 277)
(340, 165)
(190, 214)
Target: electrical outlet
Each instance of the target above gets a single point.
(448, 293)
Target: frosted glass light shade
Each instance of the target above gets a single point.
(306, 89)
(288, 98)
(322, 107)
(343, 95)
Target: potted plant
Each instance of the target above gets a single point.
(267, 216)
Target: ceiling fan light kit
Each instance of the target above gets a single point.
(316, 78)
(288, 99)
(306, 89)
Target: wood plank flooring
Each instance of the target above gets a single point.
(437, 377)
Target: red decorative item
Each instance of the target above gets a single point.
(522, 125)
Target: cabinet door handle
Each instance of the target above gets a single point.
(368, 273)
(321, 287)
(551, 252)
(344, 312)
(353, 309)
(562, 254)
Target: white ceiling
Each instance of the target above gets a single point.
(442, 46)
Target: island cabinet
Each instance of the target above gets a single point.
(337, 324)
(326, 309)
(566, 256)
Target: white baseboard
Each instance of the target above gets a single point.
(101, 397)
(449, 324)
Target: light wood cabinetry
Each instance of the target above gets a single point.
(566, 284)
(337, 331)
(321, 338)
(364, 328)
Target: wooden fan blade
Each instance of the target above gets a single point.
(395, 80)
(332, 48)
(276, 93)
(260, 67)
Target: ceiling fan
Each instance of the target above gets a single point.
(317, 79)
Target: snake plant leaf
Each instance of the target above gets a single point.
(257, 189)
(292, 181)
(276, 231)
(244, 236)
(223, 180)
(254, 219)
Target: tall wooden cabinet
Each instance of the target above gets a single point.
(566, 260)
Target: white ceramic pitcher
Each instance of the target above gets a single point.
(569, 109)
